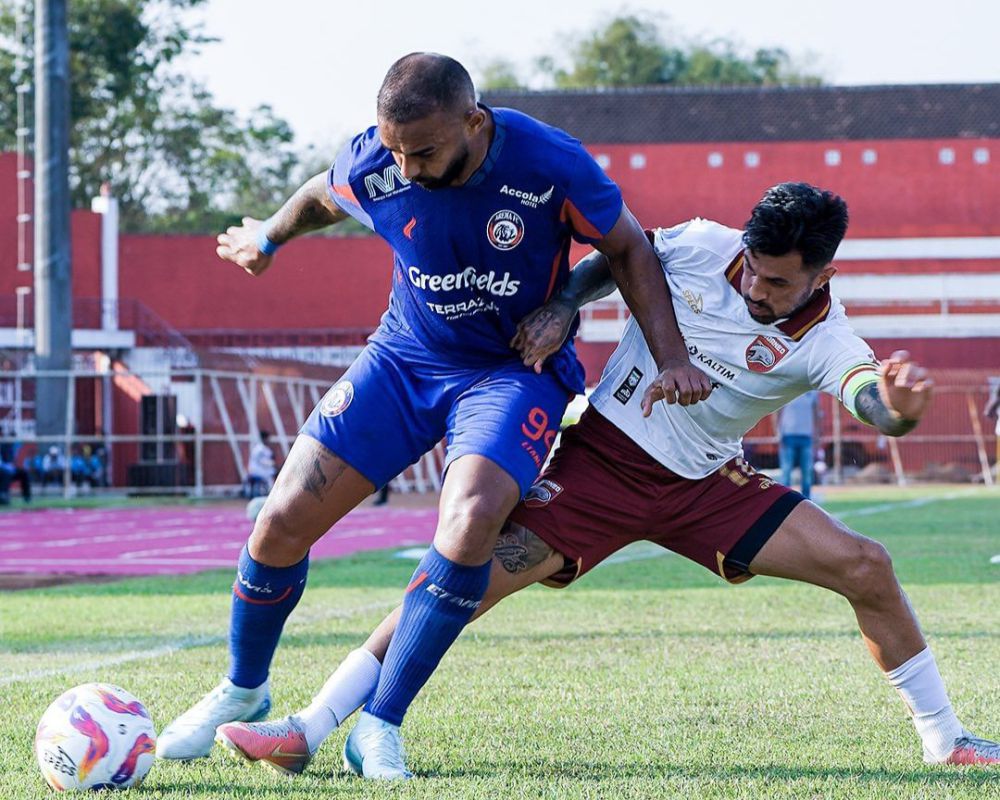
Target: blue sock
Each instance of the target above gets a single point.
(441, 598)
(263, 597)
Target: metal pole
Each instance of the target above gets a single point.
(199, 442)
(53, 292)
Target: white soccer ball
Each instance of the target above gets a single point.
(95, 736)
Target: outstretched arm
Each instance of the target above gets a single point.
(252, 244)
(896, 403)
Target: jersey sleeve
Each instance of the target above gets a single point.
(338, 183)
(593, 201)
(842, 364)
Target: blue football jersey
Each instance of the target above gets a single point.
(471, 261)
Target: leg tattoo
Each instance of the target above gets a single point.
(518, 549)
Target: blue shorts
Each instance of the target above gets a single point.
(390, 409)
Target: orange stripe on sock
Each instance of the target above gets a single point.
(416, 582)
(275, 601)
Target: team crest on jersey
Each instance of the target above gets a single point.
(337, 399)
(542, 493)
(764, 352)
(505, 230)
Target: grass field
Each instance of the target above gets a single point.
(649, 679)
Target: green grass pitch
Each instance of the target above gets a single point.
(649, 679)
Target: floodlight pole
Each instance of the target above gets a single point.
(53, 292)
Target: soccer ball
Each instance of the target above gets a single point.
(95, 736)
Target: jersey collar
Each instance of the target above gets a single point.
(493, 153)
(803, 320)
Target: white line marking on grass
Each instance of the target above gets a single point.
(636, 552)
(110, 562)
(412, 553)
(915, 503)
(184, 643)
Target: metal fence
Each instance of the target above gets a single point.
(189, 431)
(177, 431)
(955, 442)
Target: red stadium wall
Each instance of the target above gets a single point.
(327, 283)
(315, 283)
(907, 192)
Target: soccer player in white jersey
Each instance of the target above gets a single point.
(756, 312)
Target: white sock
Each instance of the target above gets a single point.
(919, 684)
(343, 693)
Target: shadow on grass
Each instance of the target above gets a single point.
(592, 772)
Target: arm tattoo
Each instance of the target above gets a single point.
(872, 410)
(306, 210)
(519, 550)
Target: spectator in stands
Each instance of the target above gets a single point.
(383, 496)
(79, 468)
(993, 404)
(797, 429)
(260, 468)
(53, 466)
(97, 466)
(992, 411)
(11, 472)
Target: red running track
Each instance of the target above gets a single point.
(156, 541)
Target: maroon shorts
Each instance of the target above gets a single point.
(602, 491)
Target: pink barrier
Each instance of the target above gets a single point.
(157, 541)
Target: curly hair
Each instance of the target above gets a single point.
(799, 217)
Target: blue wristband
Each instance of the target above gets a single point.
(265, 245)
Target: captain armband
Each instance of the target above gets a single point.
(852, 382)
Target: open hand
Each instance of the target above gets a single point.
(904, 387)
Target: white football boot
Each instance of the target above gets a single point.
(191, 735)
(374, 750)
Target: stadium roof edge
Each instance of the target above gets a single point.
(655, 114)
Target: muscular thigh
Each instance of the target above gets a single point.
(314, 489)
(382, 415)
(810, 546)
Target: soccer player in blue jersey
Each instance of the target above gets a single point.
(479, 206)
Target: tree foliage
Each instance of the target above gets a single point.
(632, 50)
(174, 159)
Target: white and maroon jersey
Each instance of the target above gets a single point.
(756, 368)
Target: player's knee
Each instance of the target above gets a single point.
(870, 576)
(469, 525)
(276, 538)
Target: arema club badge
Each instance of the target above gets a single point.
(337, 399)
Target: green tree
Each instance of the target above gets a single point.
(175, 160)
(499, 74)
(631, 51)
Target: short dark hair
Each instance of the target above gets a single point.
(420, 84)
(799, 217)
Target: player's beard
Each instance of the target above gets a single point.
(451, 172)
(769, 316)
